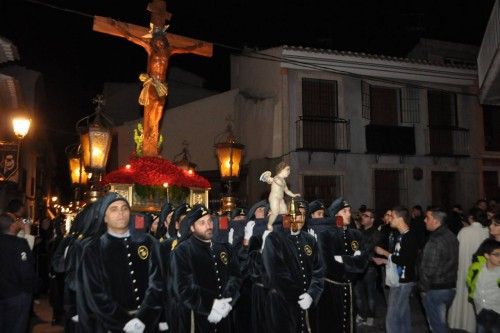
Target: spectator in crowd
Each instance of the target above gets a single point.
(398, 317)
(418, 226)
(483, 282)
(438, 270)
(366, 286)
(17, 276)
(461, 315)
(455, 220)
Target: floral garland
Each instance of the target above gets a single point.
(154, 171)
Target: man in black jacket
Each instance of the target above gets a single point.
(205, 274)
(17, 277)
(438, 270)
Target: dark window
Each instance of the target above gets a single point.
(325, 188)
(491, 118)
(319, 98)
(389, 188)
(319, 128)
(384, 106)
(442, 121)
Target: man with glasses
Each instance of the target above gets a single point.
(366, 287)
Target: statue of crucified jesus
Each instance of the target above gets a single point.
(159, 47)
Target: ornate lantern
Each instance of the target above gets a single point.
(229, 156)
(77, 172)
(95, 138)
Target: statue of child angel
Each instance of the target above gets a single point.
(278, 188)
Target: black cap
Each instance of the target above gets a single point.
(301, 204)
(195, 213)
(178, 212)
(314, 206)
(238, 212)
(337, 205)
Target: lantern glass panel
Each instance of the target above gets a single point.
(78, 174)
(100, 143)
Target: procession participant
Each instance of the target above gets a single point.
(164, 219)
(178, 214)
(317, 221)
(257, 214)
(237, 227)
(205, 274)
(294, 276)
(121, 273)
(343, 254)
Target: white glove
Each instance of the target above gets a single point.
(305, 301)
(214, 317)
(249, 230)
(163, 326)
(357, 253)
(222, 306)
(74, 319)
(134, 326)
(264, 236)
(312, 233)
(338, 259)
(230, 236)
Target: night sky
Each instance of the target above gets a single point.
(75, 61)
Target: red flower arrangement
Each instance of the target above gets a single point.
(154, 171)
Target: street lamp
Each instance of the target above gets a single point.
(95, 138)
(21, 126)
(229, 155)
(182, 160)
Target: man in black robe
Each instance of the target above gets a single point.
(293, 275)
(121, 273)
(205, 275)
(344, 258)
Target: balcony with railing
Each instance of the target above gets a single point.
(392, 140)
(488, 60)
(323, 134)
(447, 141)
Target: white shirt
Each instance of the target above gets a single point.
(487, 294)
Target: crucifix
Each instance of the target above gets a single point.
(159, 46)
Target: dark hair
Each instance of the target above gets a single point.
(438, 214)
(478, 215)
(6, 221)
(14, 206)
(418, 207)
(402, 212)
(457, 206)
(488, 246)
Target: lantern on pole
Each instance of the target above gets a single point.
(229, 157)
(21, 126)
(95, 138)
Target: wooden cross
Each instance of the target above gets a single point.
(159, 46)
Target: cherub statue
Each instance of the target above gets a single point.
(278, 189)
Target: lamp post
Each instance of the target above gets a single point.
(95, 139)
(229, 156)
(183, 159)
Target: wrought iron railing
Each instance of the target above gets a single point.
(447, 141)
(323, 134)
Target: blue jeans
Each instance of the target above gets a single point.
(398, 318)
(436, 303)
(366, 289)
(14, 313)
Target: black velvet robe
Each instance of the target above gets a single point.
(122, 280)
(336, 308)
(176, 314)
(202, 272)
(293, 266)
